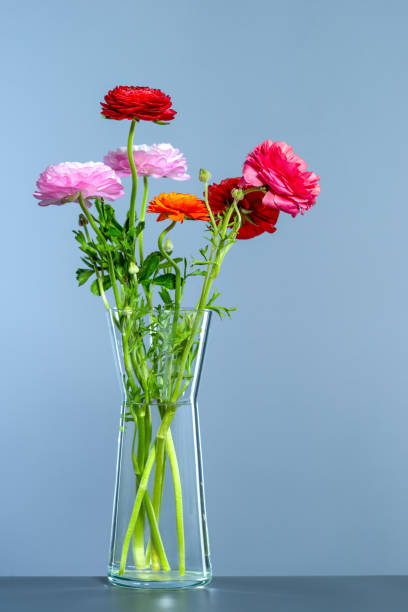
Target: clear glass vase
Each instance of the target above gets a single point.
(159, 527)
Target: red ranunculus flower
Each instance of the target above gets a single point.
(137, 103)
(257, 218)
(291, 187)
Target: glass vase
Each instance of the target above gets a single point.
(159, 527)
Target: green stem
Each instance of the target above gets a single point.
(139, 375)
(151, 548)
(109, 255)
(161, 434)
(138, 534)
(136, 508)
(141, 439)
(113, 279)
(171, 451)
(171, 262)
(90, 219)
(101, 289)
(177, 296)
(212, 271)
(142, 217)
(128, 363)
(132, 209)
(98, 278)
(251, 189)
(157, 490)
(138, 542)
(131, 360)
(136, 468)
(148, 432)
(154, 530)
(214, 225)
(142, 560)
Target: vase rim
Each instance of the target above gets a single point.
(186, 401)
(170, 308)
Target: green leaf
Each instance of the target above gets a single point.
(98, 206)
(165, 263)
(133, 232)
(113, 232)
(95, 287)
(79, 236)
(214, 297)
(150, 266)
(221, 310)
(165, 296)
(110, 215)
(88, 262)
(203, 252)
(82, 275)
(166, 280)
(139, 228)
(197, 273)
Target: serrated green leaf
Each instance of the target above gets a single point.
(89, 249)
(95, 287)
(149, 266)
(197, 273)
(88, 262)
(214, 297)
(139, 228)
(113, 232)
(165, 296)
(221, 310)
(166, 264)
(98, 206)
(82, 275)
(79, 237)
(203, 252)
(166, 280)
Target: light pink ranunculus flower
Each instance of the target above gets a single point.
(291, 188)
(62, 183)
(158, 160)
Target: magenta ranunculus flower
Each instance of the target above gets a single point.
(291, 188)
(158, 160)
(62, 183)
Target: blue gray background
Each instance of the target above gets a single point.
(304, 396)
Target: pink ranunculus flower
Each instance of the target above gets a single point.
(291, 188)
(158, 160)
(64, 182)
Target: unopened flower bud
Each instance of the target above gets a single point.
(204, 176)
(238, 194)
(127, 311)
(82, 221)
(133, 268)
(168, 246)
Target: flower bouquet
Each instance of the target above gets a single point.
(159, 528)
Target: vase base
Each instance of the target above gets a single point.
(148, 579)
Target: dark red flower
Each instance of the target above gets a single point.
(257, 218)
(137, 103)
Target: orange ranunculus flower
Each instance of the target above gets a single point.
(178, 206)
